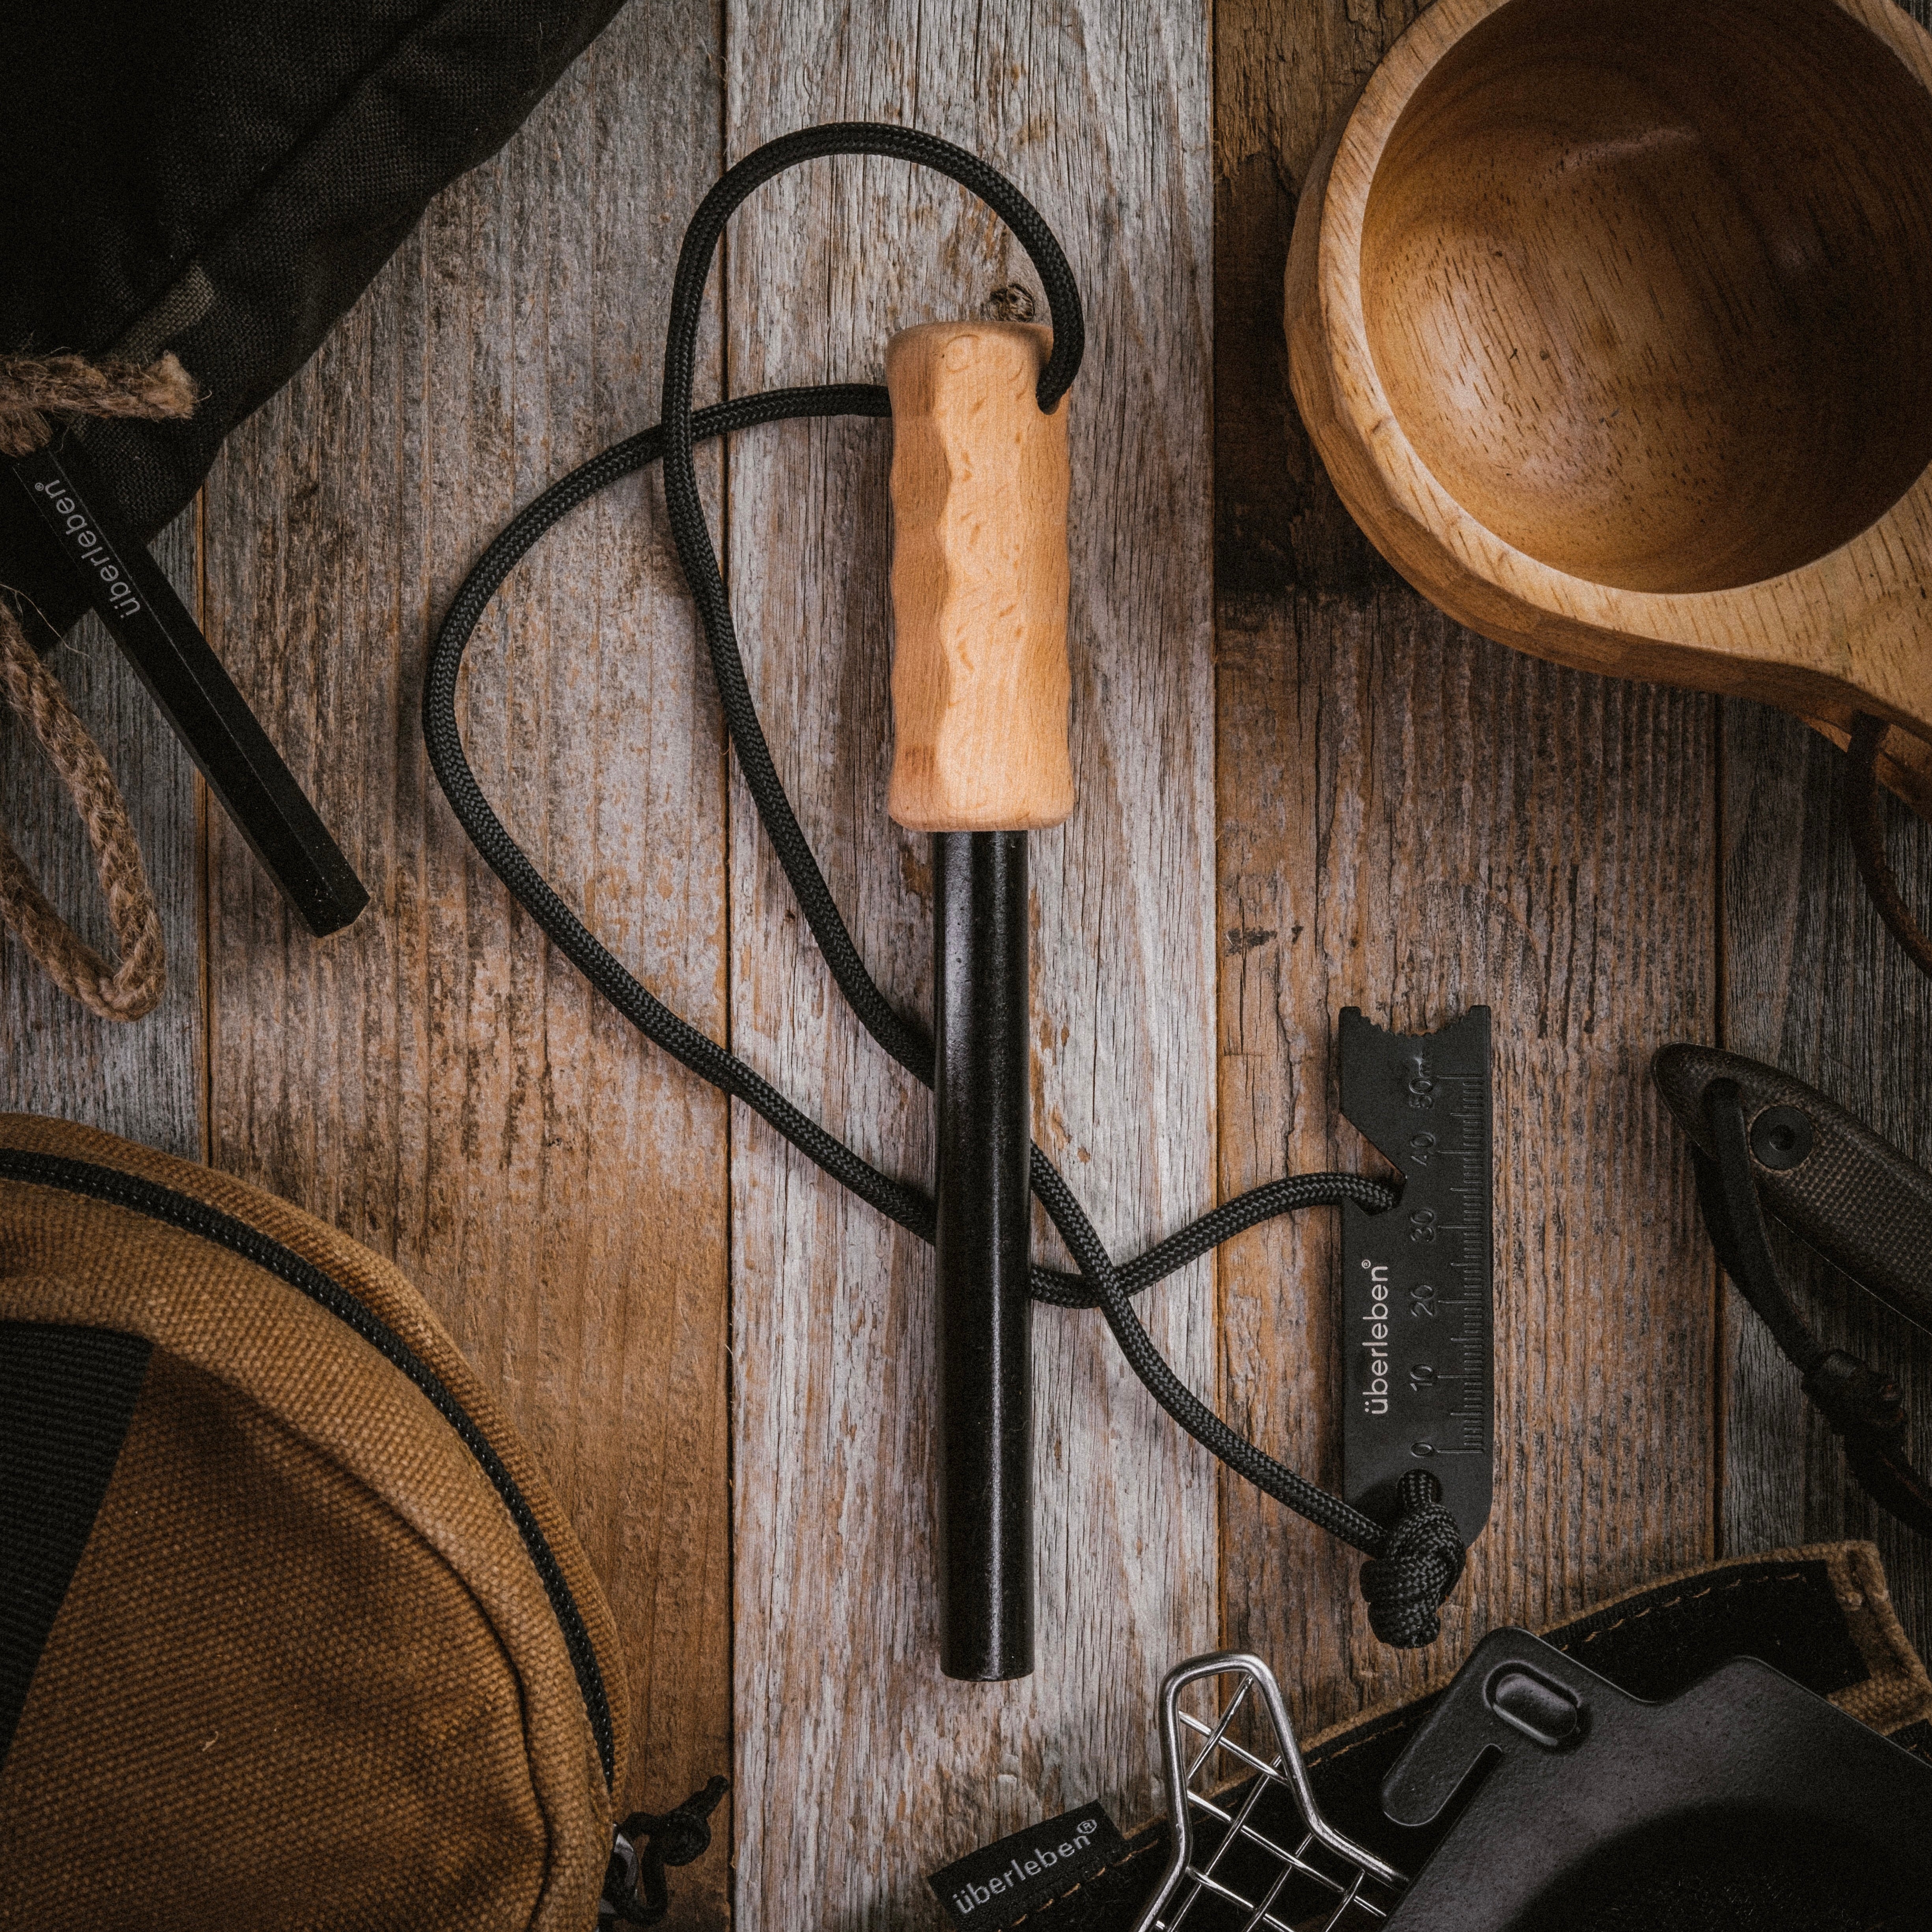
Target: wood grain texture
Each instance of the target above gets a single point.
(1639, 467)
(859, 1768)
(144, 1079)
(979, 484)
(1398, 814)
(1413, 819)
(1814, 984)
(433, 1081)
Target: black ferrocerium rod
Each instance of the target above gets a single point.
(211, 718)
(985, 1138)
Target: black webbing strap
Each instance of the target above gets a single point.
(67, 1396)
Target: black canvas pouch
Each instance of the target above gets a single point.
(222, 178)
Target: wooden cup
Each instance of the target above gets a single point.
(1612, 320)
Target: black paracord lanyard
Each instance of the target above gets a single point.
(1417, 1559)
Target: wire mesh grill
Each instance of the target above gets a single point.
(1251, 1851)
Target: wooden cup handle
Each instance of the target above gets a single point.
(980, 581)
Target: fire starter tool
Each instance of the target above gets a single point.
(980, 691)
(979, 699)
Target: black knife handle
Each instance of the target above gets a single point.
(1825, 1175)
(185, 679)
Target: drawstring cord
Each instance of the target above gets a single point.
(32, 388)
(1419, 1557)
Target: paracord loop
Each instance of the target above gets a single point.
(1428, 1566)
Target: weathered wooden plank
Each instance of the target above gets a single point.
(860, 1769)
(434, 1080)
(1814, 984)
(144, 1079)
(1414, 820)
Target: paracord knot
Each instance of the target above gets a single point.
(1420, 1564)
(634, 1893)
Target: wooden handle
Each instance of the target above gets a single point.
(979, 677)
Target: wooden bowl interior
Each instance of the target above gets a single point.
(1648, 283)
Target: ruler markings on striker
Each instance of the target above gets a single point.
(1416, 1292)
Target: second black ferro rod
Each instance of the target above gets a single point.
(980, 690)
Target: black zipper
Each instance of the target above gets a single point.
(210, 1224)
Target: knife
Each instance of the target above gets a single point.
(1826, 1176)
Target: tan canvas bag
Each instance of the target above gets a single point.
(293, 1632)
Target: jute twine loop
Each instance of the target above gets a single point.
(31, 388)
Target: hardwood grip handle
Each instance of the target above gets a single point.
(980, 581)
